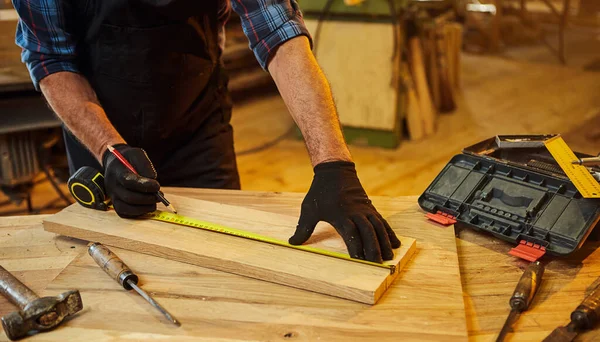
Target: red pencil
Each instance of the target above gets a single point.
(124, 161)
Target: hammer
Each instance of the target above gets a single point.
(37, 314)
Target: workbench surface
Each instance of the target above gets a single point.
(488, 276)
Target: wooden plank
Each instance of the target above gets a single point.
(424, 304)
(430, 51)
(278, 264)
(413, 112)
(417, 64)
(356, 58)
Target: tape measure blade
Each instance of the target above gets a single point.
(578, 174)
(194, 223)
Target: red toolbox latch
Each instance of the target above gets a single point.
(442, 218)
(528, 250)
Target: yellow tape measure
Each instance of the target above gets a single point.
(87, 188)
(191, 222)
(578, 174)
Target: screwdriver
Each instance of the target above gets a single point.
(117, 269)
(584, 317)
(523, 295)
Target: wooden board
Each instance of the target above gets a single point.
(413, 111)
(278, 264)
(490, 276)
(417, 64)
(356, 58)
(424, 304)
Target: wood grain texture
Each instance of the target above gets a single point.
(278, 264)
(413, 111)
(490, 276)
(32, 255)
(417, 64)
(430, 51)
(424, 304)
(356, 58)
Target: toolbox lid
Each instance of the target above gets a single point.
(516, 192)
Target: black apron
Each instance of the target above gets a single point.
(156, 68)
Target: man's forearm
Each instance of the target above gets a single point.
(307, 95)
(74, 101)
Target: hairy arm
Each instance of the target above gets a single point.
(74, 101)
(48, 41)
(307, 95)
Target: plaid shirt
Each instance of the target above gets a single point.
(49, 46)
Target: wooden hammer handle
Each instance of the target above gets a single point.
(14, 290)
(112, 265)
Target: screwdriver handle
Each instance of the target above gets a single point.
(587, 313)
(112, 265)
(527, 287)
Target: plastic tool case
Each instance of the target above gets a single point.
(511, 187)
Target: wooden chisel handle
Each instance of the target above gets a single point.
(527, 287)
(112, 265)
(588, 312)
(15, 290)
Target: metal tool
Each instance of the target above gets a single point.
(120, 272)
(585, 317)
(593, 161)
(523, 295)
(86, 185)
(36, 314)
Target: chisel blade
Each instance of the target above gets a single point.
(561, 334)
(510, 320)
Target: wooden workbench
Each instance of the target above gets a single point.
(488, 276)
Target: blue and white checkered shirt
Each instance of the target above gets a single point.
(48, 44)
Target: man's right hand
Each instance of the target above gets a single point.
(131, 195)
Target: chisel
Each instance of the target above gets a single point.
(523, 295)
(584, 317)
(120, 272)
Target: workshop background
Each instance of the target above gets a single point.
(414, 82)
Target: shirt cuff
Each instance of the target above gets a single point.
(41, 66)
(290, 29)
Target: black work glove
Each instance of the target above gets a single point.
(131, 195)
(337, 197)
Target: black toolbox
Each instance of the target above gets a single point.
(516, 192)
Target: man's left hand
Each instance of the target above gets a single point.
(337, 197)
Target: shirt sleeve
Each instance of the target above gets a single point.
(42, 33)
(269, 23)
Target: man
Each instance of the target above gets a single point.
(146, 77)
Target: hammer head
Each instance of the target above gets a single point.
(41, 314)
